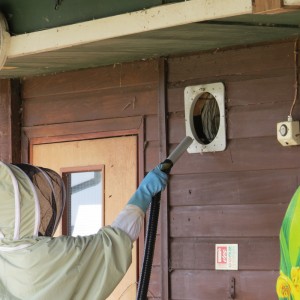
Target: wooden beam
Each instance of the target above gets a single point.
(10, 121)
(163, 16)
(164, 236)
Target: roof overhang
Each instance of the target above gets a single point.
(183, 27)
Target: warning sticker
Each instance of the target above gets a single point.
(226, 257)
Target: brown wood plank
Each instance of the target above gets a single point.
(139, 72)
(176, 99)
(157, 251)
(250, 285)
(75, 128)
(151, 155)
(79, 137)
(241, 154)
(93, 79)
(199, 253)
(154, 291)
(258, 120)
(88, 106)
(264, 6)
(254, 187)
(261, 90)
(227, 220)
(72, 82)
(84, 130)
(177, 130)
(242, 121)
(151, 128)
(25, 148)
(256, 60)
(245, 92)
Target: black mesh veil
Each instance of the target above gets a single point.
(51, 194)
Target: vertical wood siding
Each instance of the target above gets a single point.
(239, 195)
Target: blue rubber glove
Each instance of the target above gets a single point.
(154, 182)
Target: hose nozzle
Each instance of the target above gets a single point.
(167, 164)
(180, 149)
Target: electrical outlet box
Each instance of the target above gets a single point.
(288, 133)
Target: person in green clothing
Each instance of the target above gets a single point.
(36, 266)
(288, 282)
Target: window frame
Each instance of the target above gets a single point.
(66, 217)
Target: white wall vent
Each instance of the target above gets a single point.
(205, 117)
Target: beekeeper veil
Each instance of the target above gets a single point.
(31, 201)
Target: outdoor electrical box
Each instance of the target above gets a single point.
(288, 133)
(204, 106)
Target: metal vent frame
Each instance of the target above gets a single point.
(191, 95)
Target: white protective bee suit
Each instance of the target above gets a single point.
(36, 266)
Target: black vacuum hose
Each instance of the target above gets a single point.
(153, 221)
(151, 238)
(149, 248)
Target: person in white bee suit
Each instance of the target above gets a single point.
(36, 266)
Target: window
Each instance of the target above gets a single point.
(85, 201)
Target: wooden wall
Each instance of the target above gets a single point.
(239, 195)
(96, 100)
(236, 196)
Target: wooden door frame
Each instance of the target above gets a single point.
(77, 131)
(88, 130)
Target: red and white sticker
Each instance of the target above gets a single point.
(226, 257)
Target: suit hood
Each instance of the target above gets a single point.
(31, 202)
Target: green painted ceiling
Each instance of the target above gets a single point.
(33, 15)
(25, 16)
